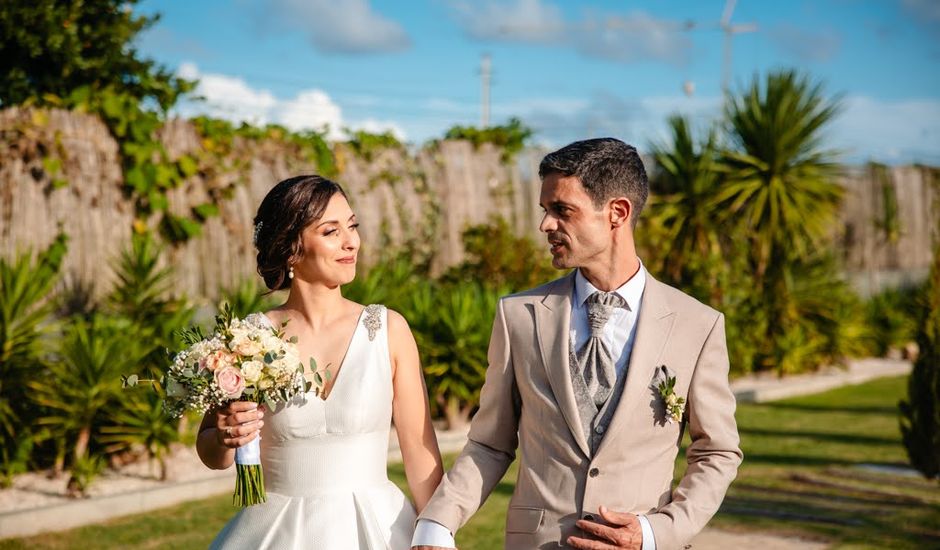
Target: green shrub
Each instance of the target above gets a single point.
(249, 297)
(84, 471)
(143, 296)
(367, 144)
(452, 325)
(391, 282)
(81, 383)
(25, 285)
(510, 137)
(141, 421)
(496, 255)
(892, 319)
(830, 311)
(920, 412)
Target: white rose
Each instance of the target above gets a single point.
(252, 371)
(671, 399)
(246, 346)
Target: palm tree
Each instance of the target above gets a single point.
(779, 180)
(685, 185)
(780, 191)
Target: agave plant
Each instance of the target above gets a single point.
(389, 282)
(828, 308)
(452, 327)
(25, 284)
(889, 316)
(248, 297)
(84, 470)
(141, 421)
(779, 182)
(143, 295)
(142, 284)
(82, 380)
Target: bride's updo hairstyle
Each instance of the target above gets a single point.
(287, 209)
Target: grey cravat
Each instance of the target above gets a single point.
(595, 358)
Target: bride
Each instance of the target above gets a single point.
(324, 455)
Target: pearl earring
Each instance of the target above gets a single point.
(290, 272)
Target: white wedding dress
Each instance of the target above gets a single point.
(324, 462)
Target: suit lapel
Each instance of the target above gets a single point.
(652, 332)
(552, 323)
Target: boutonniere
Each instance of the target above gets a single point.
(675, 405)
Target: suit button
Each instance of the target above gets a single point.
(594, 472)
(589, 517)
(600, 429)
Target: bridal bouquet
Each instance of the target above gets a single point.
(241, 361)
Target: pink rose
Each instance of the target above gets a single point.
(217, 360)
(231, 381)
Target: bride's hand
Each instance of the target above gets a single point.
(238, 423)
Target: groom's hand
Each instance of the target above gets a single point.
(623, 531)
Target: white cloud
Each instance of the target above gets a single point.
(233, 99)
(374, 126)
(636, 36)
(347, 26)
(311, 109)
(230, 98)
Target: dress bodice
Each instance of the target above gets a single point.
(312, 444)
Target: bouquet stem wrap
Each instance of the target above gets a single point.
(249, 478)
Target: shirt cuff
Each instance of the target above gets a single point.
(432, 533)
(649, 542)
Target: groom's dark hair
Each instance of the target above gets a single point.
(607, 167)
(287, 209)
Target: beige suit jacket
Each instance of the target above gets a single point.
(527, 402)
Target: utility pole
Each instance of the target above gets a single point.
(485, 73)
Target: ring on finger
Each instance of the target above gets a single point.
(229, 430)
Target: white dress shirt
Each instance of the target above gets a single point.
(619, 333)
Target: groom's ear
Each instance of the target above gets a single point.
(620, 210)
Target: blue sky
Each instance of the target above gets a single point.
(568, 69)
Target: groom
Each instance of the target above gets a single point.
(578, 380)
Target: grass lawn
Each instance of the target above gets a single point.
(798, 477)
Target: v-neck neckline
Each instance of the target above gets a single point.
(342, 364)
